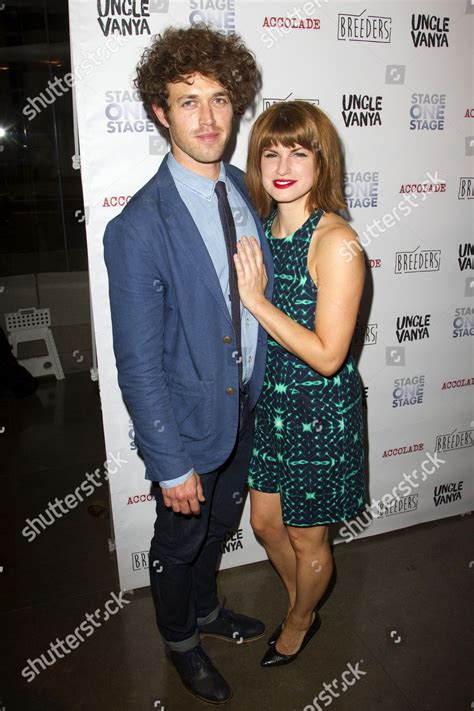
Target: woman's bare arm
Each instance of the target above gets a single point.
(340, 286)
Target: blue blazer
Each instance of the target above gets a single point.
(169, 321)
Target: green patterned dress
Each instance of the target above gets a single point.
(308, 427)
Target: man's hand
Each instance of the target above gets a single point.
(185, 497)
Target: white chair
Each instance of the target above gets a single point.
(32, 324)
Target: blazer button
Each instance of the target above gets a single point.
(227, 339)
(229, 391)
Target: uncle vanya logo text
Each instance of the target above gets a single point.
(413, 327)
(429, 30)
(125, 17)
(448, 493)
(466, 256)
(361, 110)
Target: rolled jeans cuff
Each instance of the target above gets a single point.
(184, 645)
(210, 617)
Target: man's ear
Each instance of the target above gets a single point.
(160, 115)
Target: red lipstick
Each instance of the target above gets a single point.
(282, 184)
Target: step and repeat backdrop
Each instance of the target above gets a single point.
(396, 80)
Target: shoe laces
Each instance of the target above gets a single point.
(226, 613)
(198, 659)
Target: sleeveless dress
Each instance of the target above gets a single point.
(308, 428)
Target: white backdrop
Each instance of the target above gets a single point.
(396, 79)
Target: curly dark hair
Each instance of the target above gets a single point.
(178, 52)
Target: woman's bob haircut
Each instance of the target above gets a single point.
(292, 123)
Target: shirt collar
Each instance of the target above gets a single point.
(204, 187)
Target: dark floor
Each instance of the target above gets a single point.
(399, 610)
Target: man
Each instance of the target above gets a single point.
(190, 358)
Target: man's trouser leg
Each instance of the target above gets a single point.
(185, 549)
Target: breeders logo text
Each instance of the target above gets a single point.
(419, 260)
(454, 440)
(267, 102)
(364, 28)
(403, 504)
(466, 188)
(365, 334)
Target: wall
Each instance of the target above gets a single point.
(409, 184)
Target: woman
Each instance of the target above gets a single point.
(307, 465)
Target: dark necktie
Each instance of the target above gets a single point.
(228, 226)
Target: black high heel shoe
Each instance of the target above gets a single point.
(276, 633)
(273, 658)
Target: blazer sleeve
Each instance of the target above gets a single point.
(137, 296)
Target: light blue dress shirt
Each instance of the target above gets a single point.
(198, 194)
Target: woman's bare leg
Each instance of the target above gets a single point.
(268, 525)
(314, 566)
